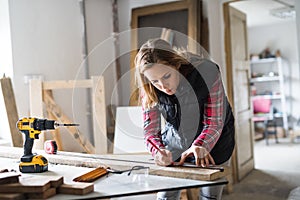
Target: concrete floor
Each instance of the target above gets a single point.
(276, 173)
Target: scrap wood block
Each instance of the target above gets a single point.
(76, 188)
(32, 184)
(9, 177)
(56, 181)
(44, 195)
(12, 196)
(29, 188)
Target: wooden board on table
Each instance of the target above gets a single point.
(32, 184)
(42, 195)
(76, 188)
(12, 196)
(9, 177)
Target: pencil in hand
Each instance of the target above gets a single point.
(156, 147)
(159, 150)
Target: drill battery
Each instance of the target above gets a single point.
(35, 164)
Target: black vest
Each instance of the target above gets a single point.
(184, 113)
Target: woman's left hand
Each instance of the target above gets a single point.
(202, 156)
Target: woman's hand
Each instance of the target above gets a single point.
(202, 156)
(163, 157)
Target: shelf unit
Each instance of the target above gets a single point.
(268, 81)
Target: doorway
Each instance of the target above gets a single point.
(274, 34)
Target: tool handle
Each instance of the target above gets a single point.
(28, 144)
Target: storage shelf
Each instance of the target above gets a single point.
(265, 79)
(264, 60)
(263, 116)
(274, 84)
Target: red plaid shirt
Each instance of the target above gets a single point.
(213, 120)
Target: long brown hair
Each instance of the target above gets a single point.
(156, 51)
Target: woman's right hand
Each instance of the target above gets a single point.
(163, 157)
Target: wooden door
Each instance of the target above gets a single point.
(238, 77)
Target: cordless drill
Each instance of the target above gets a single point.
(32, 127)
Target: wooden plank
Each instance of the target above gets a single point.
(76, 188)
(38, 186)
(12, 196)
(71, 84)
(60, 116)
(99, 115)
(122, 162)
(11, 110)
(29, 183)
(9, 177)
(55, 133)
(56, 181)
(36, 107)
(43, 195)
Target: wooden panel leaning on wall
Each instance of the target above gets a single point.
(11, 110)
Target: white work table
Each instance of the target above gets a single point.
(115, 185)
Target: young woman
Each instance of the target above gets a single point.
(188, 91)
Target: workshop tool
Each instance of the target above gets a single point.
(32, 127)
(50, 147)
(92, 175)
(102, 171)
(213, 167)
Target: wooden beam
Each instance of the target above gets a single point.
(99, 119)
(51, 85)
(55, 133)
(11, 111)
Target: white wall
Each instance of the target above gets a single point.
(5, 63)
(5, 41)
(101, 43)
(47, 40)
(297, 8)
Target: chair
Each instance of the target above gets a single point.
(263, 112)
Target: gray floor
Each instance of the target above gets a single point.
(276, 173)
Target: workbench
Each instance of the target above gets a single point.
(71, 165)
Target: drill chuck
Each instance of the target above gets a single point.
(44, 124)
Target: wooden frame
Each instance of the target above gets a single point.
(41, 91)
(194, 12)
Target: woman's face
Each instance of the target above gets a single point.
(163, 77)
